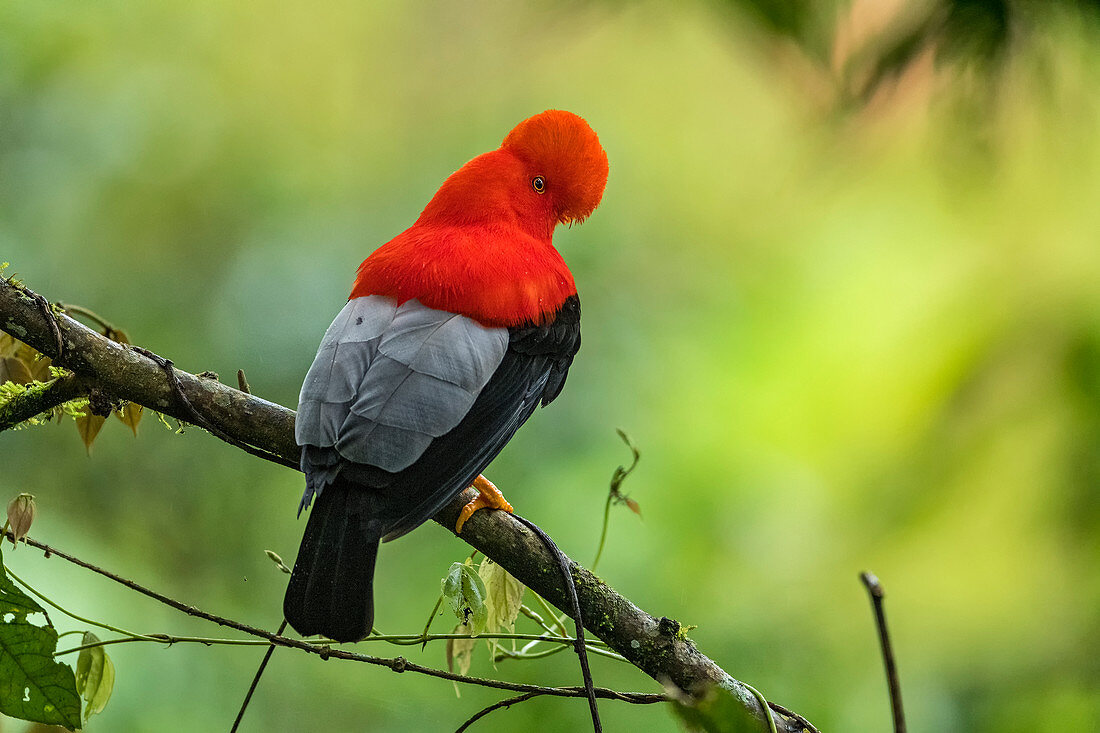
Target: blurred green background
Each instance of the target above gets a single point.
(843, 291)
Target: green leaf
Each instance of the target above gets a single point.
(32, 685)
(14, 601)
(465, 594)
(95, 676)
(504, 595)
(718, 711)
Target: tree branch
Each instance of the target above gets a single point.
(40, 398)
(658, 647)
(878, 595)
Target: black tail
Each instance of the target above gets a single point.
(330, 590)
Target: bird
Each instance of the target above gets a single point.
(454, 332)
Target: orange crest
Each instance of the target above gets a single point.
(561, 148)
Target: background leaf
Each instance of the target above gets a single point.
(95, 676)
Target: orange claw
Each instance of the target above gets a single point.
(488, 497)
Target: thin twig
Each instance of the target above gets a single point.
(565, 642)
(571, 593)
(161, 639)
(807, 726)
(875, 590)
(648, 700)
(79, 310)
(256, 679)
(413, 639)
(395, 664)
(554, 616)
(431, 617)
(764, 707)
(42, 596)
(613, 493)
(495, 706)
(506, 654)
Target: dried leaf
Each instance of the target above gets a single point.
(633, 505)
(14, 370)
(465, 594)
(38, 365)
(8, 344)
(21, 513)
(89, 427)
(130, 415)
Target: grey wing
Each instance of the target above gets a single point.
(388, 379)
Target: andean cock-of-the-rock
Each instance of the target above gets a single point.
(455, 331)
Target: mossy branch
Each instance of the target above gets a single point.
(656, 646)
(39, 397)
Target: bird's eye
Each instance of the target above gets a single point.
(538, 184)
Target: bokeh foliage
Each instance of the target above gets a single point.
(843, 292)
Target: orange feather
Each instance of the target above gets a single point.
(483, 245)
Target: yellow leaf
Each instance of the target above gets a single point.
(130, 415)
(38, 365)
(8, 344)
(89, 427)
(504, 595)
(14, 370)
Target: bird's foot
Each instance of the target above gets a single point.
(488, 497)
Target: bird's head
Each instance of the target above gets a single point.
(564, 160)
(550, 169)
